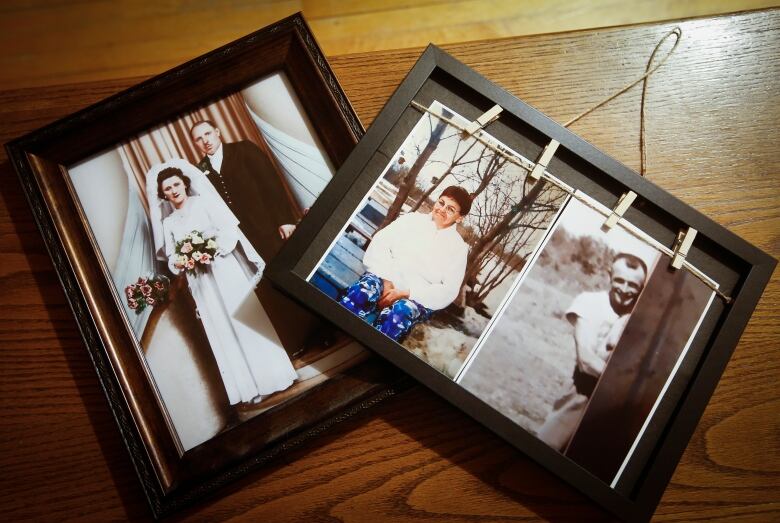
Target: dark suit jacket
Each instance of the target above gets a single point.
(256, 193)
(253, 189)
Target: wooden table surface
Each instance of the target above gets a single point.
(712, 124)
(49, 43)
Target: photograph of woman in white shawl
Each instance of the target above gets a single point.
(431, 251)
(250, 357)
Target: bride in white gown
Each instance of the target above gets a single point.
(248, 352)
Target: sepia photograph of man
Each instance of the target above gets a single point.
(587, 344)
(598, 318)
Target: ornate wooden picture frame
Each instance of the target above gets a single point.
(189, 434)
(361, 238)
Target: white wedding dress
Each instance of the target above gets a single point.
(249, 354)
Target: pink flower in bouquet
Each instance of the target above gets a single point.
(205, 258)
(149, 291)
(186, 247)
(190, 264)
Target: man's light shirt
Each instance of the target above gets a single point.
(216, 159)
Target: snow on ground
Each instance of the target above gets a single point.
(473, 322)
(443, 345)
(445, 349)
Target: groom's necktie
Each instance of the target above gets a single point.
(207, 161)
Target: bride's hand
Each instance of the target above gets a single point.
(226, 242)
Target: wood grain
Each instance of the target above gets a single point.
(712, 126)
(48, 43)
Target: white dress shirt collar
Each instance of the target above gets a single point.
(216, 158)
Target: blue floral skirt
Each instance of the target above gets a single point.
(395, 320)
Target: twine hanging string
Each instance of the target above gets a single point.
(677, 32)
(528, 166)
(649, 70)
(642, 140)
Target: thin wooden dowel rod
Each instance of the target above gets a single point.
(528, 166)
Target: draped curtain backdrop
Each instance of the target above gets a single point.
(172, 139)
(305, 167)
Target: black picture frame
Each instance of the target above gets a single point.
(741, 270)
(170, 480)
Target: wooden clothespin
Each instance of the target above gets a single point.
(482, 121)
(682, 245)
(544, 160)
(620, 209)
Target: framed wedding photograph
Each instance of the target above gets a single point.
(517, 297)
(161, 207)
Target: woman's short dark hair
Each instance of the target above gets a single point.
(460, 195)
(170, 172)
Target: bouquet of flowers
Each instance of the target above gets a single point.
(147, 292)
(195, 251)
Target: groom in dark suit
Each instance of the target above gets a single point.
(249, 182)
(252, 186)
